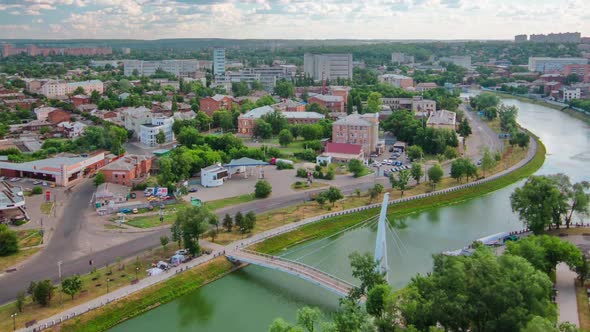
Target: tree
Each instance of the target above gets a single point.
(401, 182)
(192, 223)
(375, 191)
(8, 241)
(284, 89)
(176, 234)
(94, 97)
(364, 268)
(464, 130)
(376, 299)
(37, 190)
(538, 202)
(321, 199)
(72, 285)
(262, 189)
(44, 130)
(417, 172)
(308, 318)
(435, 174)
(239, 220)
(545, 252)
(488, 161)
(240, 89)
(249, 222)
(262, 129)
(415, 152)
(285, 137)
(349, 105)
(160, 137)
(333, 194)
(277, 121)
(43, 292)
(486, 100)
(356, 167)
(78, 91)
(374, 102)
(20, 301)
(164, 241)
(99, 178)
(228, 222)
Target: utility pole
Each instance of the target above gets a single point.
(14, 321)
(60, 285)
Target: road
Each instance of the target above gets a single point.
(68, 231)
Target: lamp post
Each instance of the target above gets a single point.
(14, 321)
(60, 285)
(108, 279)
(136, 271)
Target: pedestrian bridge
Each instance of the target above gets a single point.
(309, 273)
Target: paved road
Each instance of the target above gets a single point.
(44, 266)
(566, 296)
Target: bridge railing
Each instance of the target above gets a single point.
(314, 269)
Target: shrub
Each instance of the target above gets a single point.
(301, 173)
(318, 168)
(262, 189)
(283, 165)
(329, 175)
(8, 241)
(37, 190)
(307, 154)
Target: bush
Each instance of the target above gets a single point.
(8, 241)
(301, 173)
(283, 165)
(37, 190)
(262, 189)
(318, 168)
(329, 175)
(307, 155)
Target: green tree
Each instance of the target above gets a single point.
(349, 104)
(545, 252)
(277, 121)
(78, 91)
(374, 102)
(284, 89)
(364, 268)
(435, 174)
(538, 202)
(262, 189)
(321, 200)
(333, 194)
(486, 100)
(228, 222)
(72, 285)
(43, 292)
(44, 130)
(20, 301)
(94, 97)
(240, 89)
(164, 241)
(376, 300)
(356, 167)
(262, 129)
(37, 190)
(464, 130)
(239, 220)
(458, 169)
(415, 152)
(99, 178)
(488, 162)
(249, 222)
(192, 223)
(8, 241)
(285, 137)
(256, 85)
(417, 172)
(375, 191)
(160, 137)
(401, 181)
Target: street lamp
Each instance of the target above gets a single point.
(136, 271)
(60, 285)
(108, 279)
(14, 321)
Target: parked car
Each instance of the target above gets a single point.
(125, 210)
(193, 190)
(44, 183)
(135, 211)
(181, 252)
(13, 180)
(37, 182)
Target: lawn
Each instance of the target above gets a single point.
(26, 238)
(583, 308)
(94, 285)
(304, 186)
(29, 238)
(46, 207)
(12, 260)
(153, 218)
(225, 202)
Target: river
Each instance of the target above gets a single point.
(249, 299)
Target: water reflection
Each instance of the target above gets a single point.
(194, 308)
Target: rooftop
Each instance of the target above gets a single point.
(327, 98)
(442, 117)
(126, 163)
(47, 166)
(357, 119)
(9, 195)
(344, 148)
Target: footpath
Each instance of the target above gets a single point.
(237, 245)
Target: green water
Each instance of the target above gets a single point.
(248, 300)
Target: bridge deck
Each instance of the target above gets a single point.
(311, 274)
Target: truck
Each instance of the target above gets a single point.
(274, 161)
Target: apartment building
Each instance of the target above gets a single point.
(148, 131)
(569, 94)
(179, 68)
(416, 104)
(582, 71)
(247, 121)
(459, 60)
(545, 64)
(399, 81)
(215, 103)
(566, 37)
(401, 58)
(32, 50)
(357, 128)
(218, 61)
(134, 117)
(332, 103)
(328, 66)
(58, 88)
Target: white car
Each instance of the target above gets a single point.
(182, 252)
(37, 182)
(14, 179)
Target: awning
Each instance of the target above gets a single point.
(245, 162)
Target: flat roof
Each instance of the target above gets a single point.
(9, 194)
(47, 166)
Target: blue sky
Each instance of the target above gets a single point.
(306, 19)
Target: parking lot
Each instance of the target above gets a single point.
(390, 162)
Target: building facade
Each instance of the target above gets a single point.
(582, 71)
(247, 121)
(401, 58)
(362, 129)
(569, 94)
(218, 61)
(211, 104)
(566, 37)
(179, 68)
(58, 88)
(399, 81)
(127, 170)
(442, 119)
(32, 50)
(328, 66)
(148, 132)
(544, 64)
(332, 103)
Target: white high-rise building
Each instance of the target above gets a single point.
(148, 132)
(180, 68)
(544, 64)
(328, 66)
(218, 61)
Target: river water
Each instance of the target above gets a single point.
(249, 299)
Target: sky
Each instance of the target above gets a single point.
(290, 19)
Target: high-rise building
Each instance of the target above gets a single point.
(520, 38)
(180, 68)
(459, 60)
(401, 58)
(543, 65)
(218, 61)
(566, 37)
(328, 66)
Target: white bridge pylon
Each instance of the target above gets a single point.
(381, 241)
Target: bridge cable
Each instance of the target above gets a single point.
(397, 240)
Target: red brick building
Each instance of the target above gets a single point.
(58, 116)
(582, 71)
(332, 103)
(78, 100)
(215, 103)
(127, 170)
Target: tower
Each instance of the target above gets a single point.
(381, 243)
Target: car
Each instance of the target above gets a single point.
(384, 161)
(44, 183)
(37, 182)
(2, 178)
(182, 252)
(135, 211)
(479, 163)
(125, 210)
(390, 149)
(13, 179)
(193, 190)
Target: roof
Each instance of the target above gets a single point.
(302, 115)
(395, 76)
(327, 98)
(442, 117)
(111, 189)
(426, 85)
(81, 96)
(47, 166)
(356, 119)
(212, 168)
(245, 161)
(10, 194)
(344, 148)
(126, 163)
(258, 112)
(219, 97)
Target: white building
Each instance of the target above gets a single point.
(180, 68)
(401, 58)
(42, 113)
(134, 117)
(328, 66)
(148, 132)
(569, 94)
(461, 61)
(218, 61)
(213, 176)
(55, 88)
(543, 65)
(72, 129)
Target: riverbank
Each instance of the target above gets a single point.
(134, 305)
(329, 226)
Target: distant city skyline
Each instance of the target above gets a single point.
(290, 19)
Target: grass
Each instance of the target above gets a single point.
(583, 308)
(314, 185)
(224, 202)
(105, 318)
(29, 238)
(332, 225)
(153, 219)
(46, 207)
(123, 273)
(7, 262)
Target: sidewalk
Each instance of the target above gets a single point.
(566, 296)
